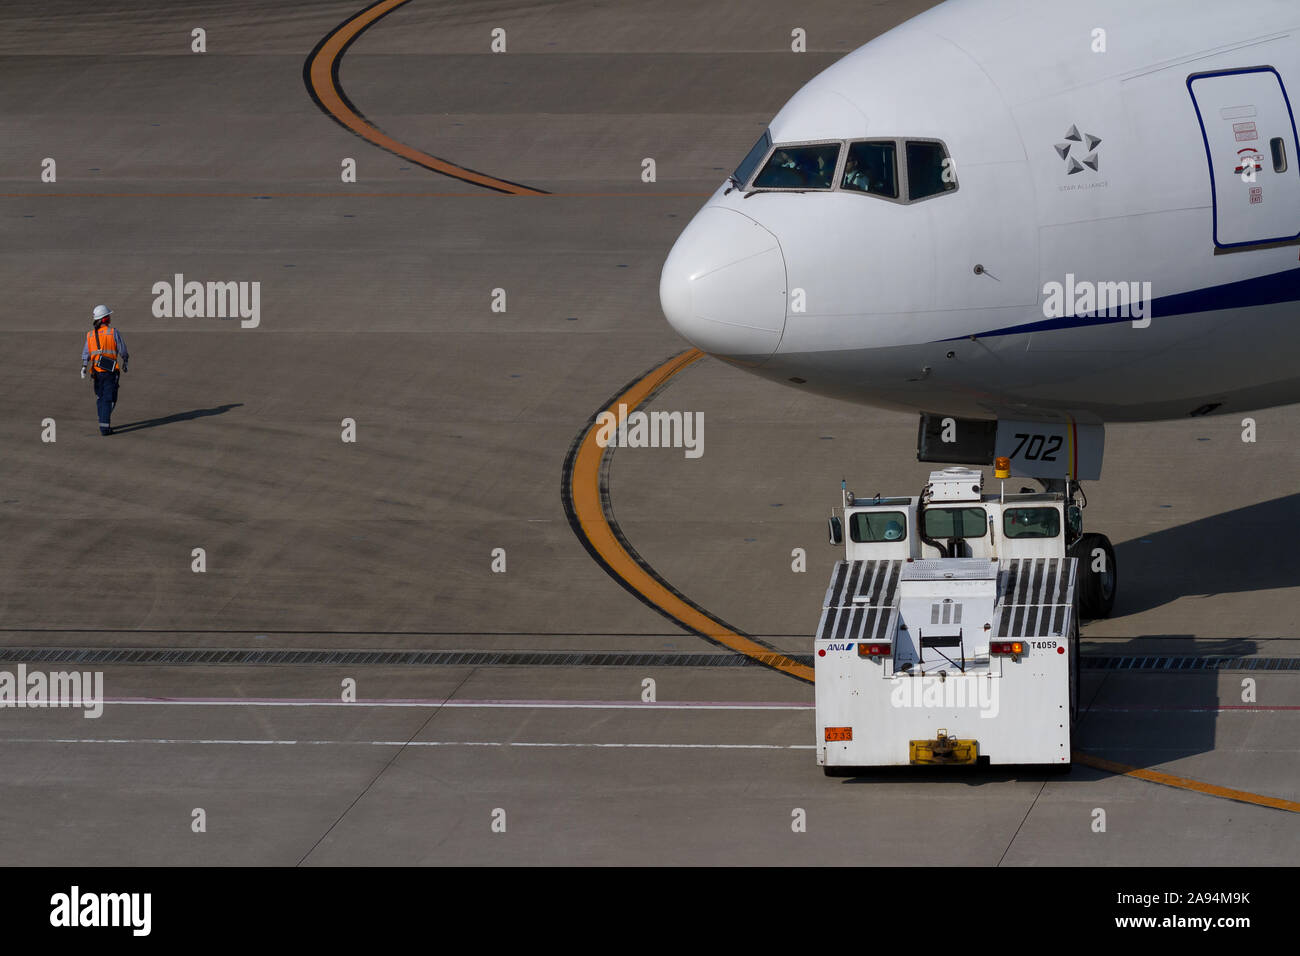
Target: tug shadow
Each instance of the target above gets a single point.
(1247, 549)
(978, 775)
(178, 417)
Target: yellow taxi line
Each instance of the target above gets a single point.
(585, 501)
(321, 76)
(1185, 783)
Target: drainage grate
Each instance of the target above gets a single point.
(1158, 662)
(351, 658)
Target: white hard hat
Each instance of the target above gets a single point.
(101, 312)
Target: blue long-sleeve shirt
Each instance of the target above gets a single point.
(121, 345)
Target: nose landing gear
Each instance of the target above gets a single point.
(1097, 574)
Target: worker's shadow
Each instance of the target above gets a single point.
(178, 417)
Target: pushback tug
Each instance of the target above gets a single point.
(950, 631)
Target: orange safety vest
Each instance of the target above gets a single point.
(103, 349)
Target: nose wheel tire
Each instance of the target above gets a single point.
(1098, 575)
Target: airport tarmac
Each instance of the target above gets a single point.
(376, 306)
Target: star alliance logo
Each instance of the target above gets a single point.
(1089, 144)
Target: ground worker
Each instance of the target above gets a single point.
(105, 354)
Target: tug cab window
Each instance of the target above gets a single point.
(752, 159)
(870, 168)
(926, 169)
(1031, 522)
(956, 523)
(869, 527)
(800, 167)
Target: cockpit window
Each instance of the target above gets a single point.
(928, 171)
(873, 167)
(753, 158)
(870, 168)
(800, 167)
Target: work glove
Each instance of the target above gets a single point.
(123, 369)
(83, 371)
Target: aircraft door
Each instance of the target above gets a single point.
(1250, 143)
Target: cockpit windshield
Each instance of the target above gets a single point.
(929, 171)
(870, 168)
(800, 167)
(752, 159)
(896, 169)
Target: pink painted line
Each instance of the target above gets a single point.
(467, 703)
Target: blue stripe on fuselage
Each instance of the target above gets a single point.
(1261, 290)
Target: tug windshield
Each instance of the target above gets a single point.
(956, 523)
(1031, 522)
(868, 527)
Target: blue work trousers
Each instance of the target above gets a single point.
(106, 395)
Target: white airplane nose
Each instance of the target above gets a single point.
(723, 286)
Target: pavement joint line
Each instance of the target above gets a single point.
(1028, 810)
(382, 770)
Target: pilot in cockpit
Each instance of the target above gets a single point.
(860, 174)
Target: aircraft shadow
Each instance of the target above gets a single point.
(1247, 549)
(178, 417)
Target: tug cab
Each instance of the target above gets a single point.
(954, 518)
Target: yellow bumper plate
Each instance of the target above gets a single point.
(945, 750)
